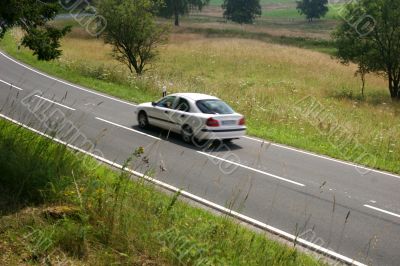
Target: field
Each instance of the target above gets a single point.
(61, 208)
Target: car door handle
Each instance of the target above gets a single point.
(167, 112)
(183, 115)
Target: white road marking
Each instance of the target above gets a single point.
(381, 210)
(66, 83)
(9, 84)
(59, 104)
(253, 169)
(127, 128)
(236, 215)
(324, 157)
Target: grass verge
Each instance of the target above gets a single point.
(60, 207)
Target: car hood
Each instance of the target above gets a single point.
(145, 104)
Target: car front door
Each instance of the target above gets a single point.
(161, 112)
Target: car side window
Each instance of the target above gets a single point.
(167, 102)
(183, 105)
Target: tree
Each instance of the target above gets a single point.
(32, 16)
(312, 8)
(241, 11)
(132, 31)
(176, 8)
(370, 38)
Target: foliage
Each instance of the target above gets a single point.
(312, 8)
(33, 17)
(176, 8)
(132, 31)
(241, 11)
(370, 38)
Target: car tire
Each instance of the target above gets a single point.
(143, 121)
(187, 134)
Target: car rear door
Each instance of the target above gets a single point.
(181, 113)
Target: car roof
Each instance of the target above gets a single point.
(195, 96)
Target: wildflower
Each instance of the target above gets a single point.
(139, 151)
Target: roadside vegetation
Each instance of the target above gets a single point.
(58, 207)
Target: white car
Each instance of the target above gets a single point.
(194, 116)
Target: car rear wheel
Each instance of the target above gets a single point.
(187, 134)
(143, 120)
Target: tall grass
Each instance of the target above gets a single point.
(57, 210)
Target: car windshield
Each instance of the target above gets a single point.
(214, 106)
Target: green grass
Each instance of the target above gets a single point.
(262, 2)
(60, 207)
(292, 13)
(286, 9)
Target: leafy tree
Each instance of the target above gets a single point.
(370, 37)
(312, 8)
(33, 17)
(241, 11)
(132, 31)
(176, 8)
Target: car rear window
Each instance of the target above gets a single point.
(214, 107)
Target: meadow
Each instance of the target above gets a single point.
(279, 17)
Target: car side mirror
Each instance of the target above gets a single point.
(153, 103)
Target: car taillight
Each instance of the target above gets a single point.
(211, 122)
(242, 121)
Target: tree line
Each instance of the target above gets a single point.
(368, 35)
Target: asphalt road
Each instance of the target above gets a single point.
(351, 210)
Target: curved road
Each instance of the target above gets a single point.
(322, 200)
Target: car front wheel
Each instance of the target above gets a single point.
(143, 120)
